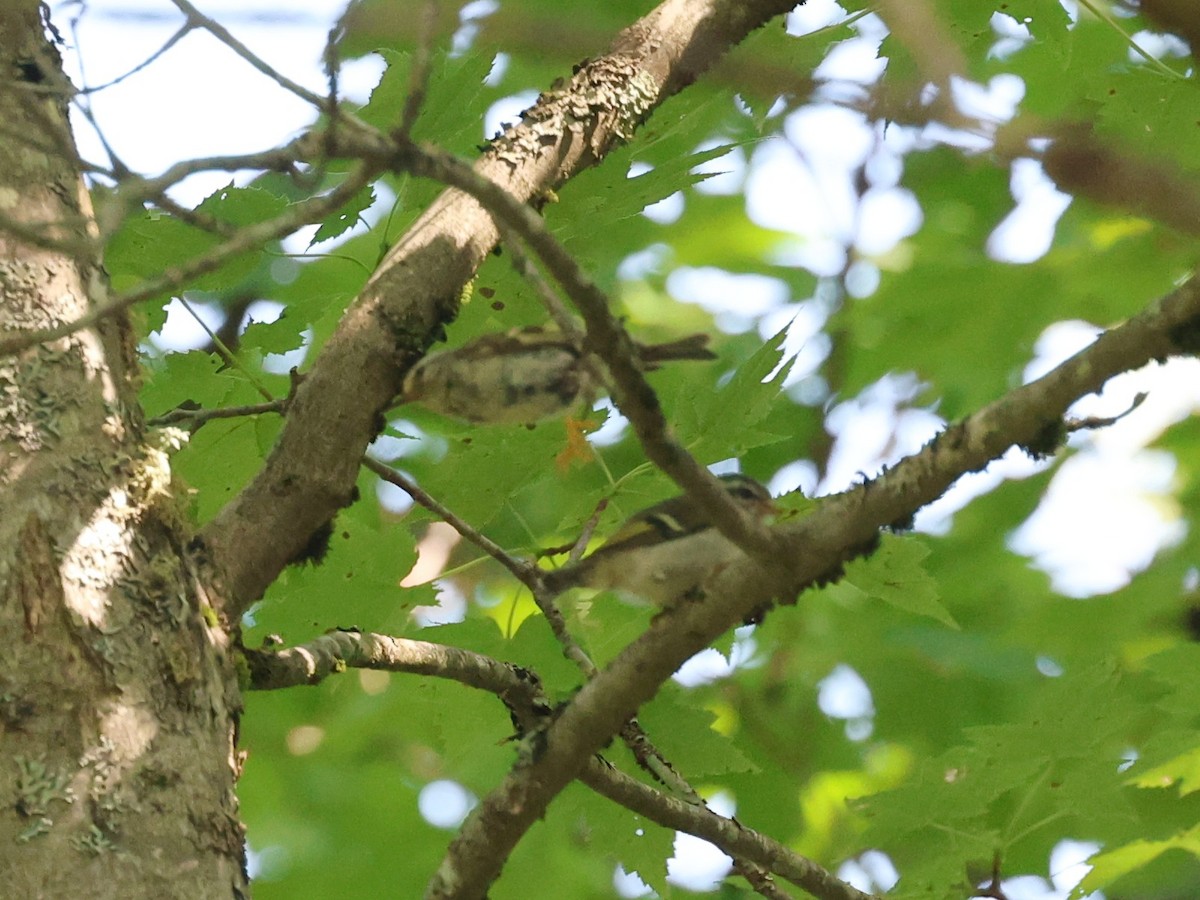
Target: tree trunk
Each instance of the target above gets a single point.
(118, 701)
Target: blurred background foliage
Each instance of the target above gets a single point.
(963, 698)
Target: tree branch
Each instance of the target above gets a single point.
(521, 691)
(814, 549)
(332, 653)
(648, 756)
(606, 339)
(727, 834)
(415, 291)
(1081, 164)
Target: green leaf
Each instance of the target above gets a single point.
(894, 574)
(1111, 865)
(345, 218)
(351, 580)
(148, 245)
(454, 100)
(719, 424)
(280, 336)
(192, 377)
(685, 735)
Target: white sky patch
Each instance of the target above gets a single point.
(667, 210)
(697, 864)
(1157, 45)
(806, 186)
(1067, 869)
(800, 475)
(1011, 36)
(393, 499)
(843, 694)
(995, 101)
(884, 167)
(813, 15)
(268, 863)
(1057, 343)
(506, 111)
(862, 279)
(1026, 233)
(183, 330)
(614, 427)
(444, 804)
(629, 884)
(987, 105)
(217, 114)
(857, 60)
(805, 344)
(1099, 522)
(664, 211)
(870, 871)
(938, 516)
(728, 172)
(736, 300)
(784, 195)
(886, 217)
(874, 429)
(469, 16)
(1068, 863)
(711, 665)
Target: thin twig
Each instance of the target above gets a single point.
(647, 754)
(525, 572)
(280, 159)
(1105, 421)
(606, 338)
(521, 691)
(198, 19)
(197, 417)
(247, 239)
(1107, 18)
(228, 356)
(332, 59)
(115, 163)
(195, 219)
(727, 834)
(329, 105)
(157, 54)
(526, 269)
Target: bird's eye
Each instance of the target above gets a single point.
(743, 493)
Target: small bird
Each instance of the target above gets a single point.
(522, 376)
(665, 551)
